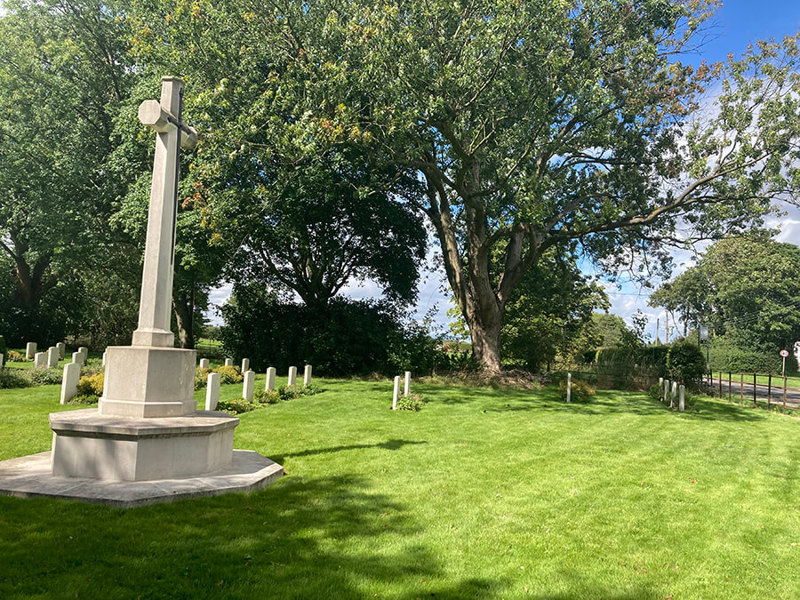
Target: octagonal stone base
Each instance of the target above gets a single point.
(30, 476)
(87, 444)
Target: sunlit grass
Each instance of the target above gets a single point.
(483, 494)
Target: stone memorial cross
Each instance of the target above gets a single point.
(173, 134)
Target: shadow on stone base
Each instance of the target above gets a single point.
(30, 476)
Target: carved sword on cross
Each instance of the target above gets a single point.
(165, 117)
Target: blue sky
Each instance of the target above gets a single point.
(735, 25)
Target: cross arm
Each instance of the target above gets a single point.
(152, 114)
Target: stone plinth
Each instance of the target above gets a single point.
(30, 476)
(89, 445)
(145, 382)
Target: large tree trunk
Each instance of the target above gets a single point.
(183, 307)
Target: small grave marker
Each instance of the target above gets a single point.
(407, 384)
(270, 385)
(62, 350)
(52, 357)
(228, 362)
(396, 392)
(204, 363)
(69, 382)
(40, 360)
(307, 376)
(569, 387)
(212, 391)
(682, 399)
(292, 377)
(247, 387)
(30, 350)
(77, 358)
(245, 365)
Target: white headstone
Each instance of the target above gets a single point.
(673, 394)
(40, 360)
(682, 399)
(212, 391)
(52, 357)
(292, 377)
(247, 388)
(666, 390)
(84, 353)
(1, 361)
(569, 387)
(204, 363)
(69, 383)
(228, 362)
(307, 376)
(30, 350)
(270, 385)
(245, 365)
(396, 392)
(407, 385)
(62, 350)
(77, 358)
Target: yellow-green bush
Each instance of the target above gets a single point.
(581, 391)
(229, 374)
(91, 385)
(201, 378)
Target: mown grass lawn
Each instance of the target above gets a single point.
(484, 494)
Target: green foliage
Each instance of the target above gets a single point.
(2, 345)
(581, 392)
(347, 337)
(13, 378)
(230, 374)
(310, 390)
(201, 378)
(267, 397)
(236, 406)
(411, 402)
(549, 310)
(745, 289)
(686, 362)
(286, 393)
(728, 355)
(14, 356)
(91, 385)
(44, 376)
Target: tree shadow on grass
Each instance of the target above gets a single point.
(605, 402)
(328, 537)
(387, 445)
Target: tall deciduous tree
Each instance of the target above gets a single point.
(62, 73)
(746, 289)
(532, 122)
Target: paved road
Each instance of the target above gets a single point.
(792, 394)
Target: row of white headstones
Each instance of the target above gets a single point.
(248, 385)
(670, 391)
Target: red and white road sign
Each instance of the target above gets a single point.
(784, 353)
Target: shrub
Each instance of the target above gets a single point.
(229, 374)
(2, 345)
(310, 390)
(14, 356)
(91, 385)
(581, 391)
(84, 399)
(346, 337)
(288, 393)
(685, 362)
(412, 402)
(267, 397)
(44, 376)
(236, 406)
(201, 378)
(13, 378)
(655, 391)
